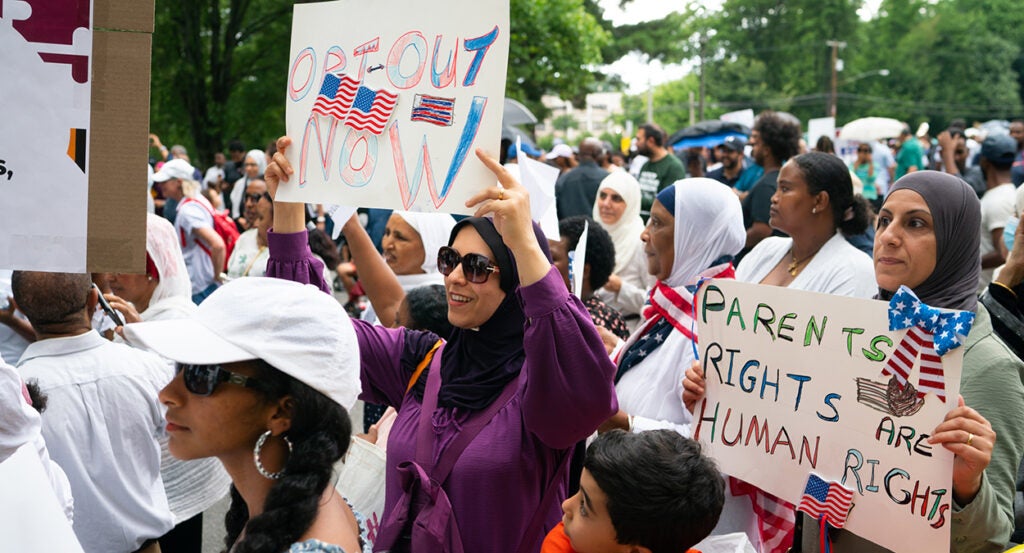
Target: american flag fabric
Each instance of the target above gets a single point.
(776, 518)
(931, 333)
(336, 96)
(433, 109)
(826, 500)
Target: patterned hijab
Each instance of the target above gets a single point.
(956, 213)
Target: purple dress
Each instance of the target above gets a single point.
(565, 392)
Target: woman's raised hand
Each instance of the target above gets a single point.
(508, 202)
(288, 216)
(693, 386)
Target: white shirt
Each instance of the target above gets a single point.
(101, 426)
(636, 285)
(191, 217)
(996, 208)
(11, 343)
(248, 258)
(838, 268)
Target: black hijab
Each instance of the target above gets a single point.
(477, 364)
(956, 214)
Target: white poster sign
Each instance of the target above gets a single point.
(388, 100)
(31, 519)
(799, 382)
(823, 126)
(44, 125)
(743, 117)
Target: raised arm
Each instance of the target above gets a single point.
(378, 280)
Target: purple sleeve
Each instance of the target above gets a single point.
(291, 259)
(388, 357)
(569, 390)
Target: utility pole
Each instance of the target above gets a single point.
(834, 95)
(703, 47)
(692, 112)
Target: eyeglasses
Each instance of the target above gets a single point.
(250, 164)
(257, 197)
(202, 380)
(864, 150)
(476, 267)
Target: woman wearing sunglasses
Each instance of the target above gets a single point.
(525, 370)
(269, 403)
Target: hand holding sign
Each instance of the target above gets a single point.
(509, 205)
(970, 437)
(288, 216)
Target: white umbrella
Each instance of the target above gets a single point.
(867, 129)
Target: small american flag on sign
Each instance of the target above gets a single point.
(371, 109)
(827, 500)
(336, 96)
(433, 109)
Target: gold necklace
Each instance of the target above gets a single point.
(794, 265)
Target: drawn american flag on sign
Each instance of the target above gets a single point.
(433, 109)
(371, 109)
(336, 96)
(826, 499)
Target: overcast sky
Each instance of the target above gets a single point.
(634, 71)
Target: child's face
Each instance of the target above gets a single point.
(587, 523)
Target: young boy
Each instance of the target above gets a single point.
(646, 492)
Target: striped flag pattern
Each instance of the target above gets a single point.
(776, 519)
(371, 109)
(336, 96)
(433, 109)
(918, 341)
(827, 500)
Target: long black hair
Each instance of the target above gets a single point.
(827, 173)
(320, 432)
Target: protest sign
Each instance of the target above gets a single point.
(31, 518)
(72, 175)
(801, 383)
(388, 100)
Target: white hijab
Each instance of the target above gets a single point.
(434, 229)
(172, 297)
(708, 226)
(238, 191)
(626, 231)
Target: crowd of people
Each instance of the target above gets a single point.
(521, 408)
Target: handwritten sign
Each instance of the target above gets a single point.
(387, 100)
(31, 519)
(795, 385)
(45, 115)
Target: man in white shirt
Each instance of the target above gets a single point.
(103, 417)
(203, 249)
(997, 155)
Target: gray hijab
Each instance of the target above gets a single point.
(956, 213)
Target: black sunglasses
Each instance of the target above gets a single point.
(475, 267)
(202, 380)
(257, 197)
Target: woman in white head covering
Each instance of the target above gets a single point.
(164, 292)
(695, 229)
(409, 245)
(254, 165)
(617, 209)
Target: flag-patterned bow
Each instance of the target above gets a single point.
(932, 333)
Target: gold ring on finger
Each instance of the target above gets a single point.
(970, 438)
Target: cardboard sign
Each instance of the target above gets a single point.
(72, 174)
(795, 386)
(388, 100)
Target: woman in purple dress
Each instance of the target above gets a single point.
(525, 371)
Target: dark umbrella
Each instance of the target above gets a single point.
(707, 133)
(510, 132)
(517, 114)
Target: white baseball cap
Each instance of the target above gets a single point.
(296, 328)
(560, 150)
(175, 169)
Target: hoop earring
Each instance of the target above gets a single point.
(256, 456)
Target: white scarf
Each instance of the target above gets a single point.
(626, 231)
